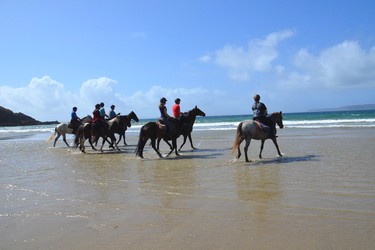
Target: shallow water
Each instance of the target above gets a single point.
(319, 195)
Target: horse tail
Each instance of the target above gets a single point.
(79, 134)
(52, 135)
(141, 143)
(238, 139)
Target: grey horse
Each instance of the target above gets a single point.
(250, 129)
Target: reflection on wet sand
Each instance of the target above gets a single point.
(319, 196)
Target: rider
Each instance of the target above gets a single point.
(112, 113)
(102, 111)
(98, 119)
(168, 120)
(176, 108)
(75, 121)
(260, 114)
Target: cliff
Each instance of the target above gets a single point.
(8, 118)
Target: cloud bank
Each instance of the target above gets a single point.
(47, 99)
(345, 67)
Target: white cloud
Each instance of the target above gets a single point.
(97, 90)
(47, 99)
(147, 101)
(40, 98)
(258, 56)
(205, 58)
(343, 65)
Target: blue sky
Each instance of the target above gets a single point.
(298, 55)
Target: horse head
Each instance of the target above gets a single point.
(86, 119)
(133, 116)
(279, 118)
(124, 121)
(196, 111)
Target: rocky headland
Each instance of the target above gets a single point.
(9, 118)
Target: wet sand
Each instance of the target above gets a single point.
(320, 195)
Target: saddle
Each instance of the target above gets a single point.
(161, 125)
(161, 129)
(165, 130)
(262, 126)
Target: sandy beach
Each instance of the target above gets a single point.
(319, 195)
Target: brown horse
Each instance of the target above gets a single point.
(250, 129)
(93, 130)
(187, 128)
(153, 131)
(128, 118)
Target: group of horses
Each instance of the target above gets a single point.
(93, 131)
(156, 131)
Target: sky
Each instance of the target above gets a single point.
(297, 55)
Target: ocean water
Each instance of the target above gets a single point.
(305, 120)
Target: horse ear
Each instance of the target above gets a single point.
(195, 106)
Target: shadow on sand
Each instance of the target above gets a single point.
(286, 159)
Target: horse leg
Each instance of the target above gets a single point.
(239, 149)
(90, 141)
(57, 137)
(113, 142)
(64, 139)
(82, 144)
(174, 147)
(261, 149)
(153, 144)
(158, 143)
(110, 142)
(170, 146)
(124, 140)
(277, 147)
(191, 141)
(174, 143)
(104, 139)
(245, 149)
(183, 143)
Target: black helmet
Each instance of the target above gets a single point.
(178, 100)
(74, 108)
(112, 106)
(163, 99)
(102, 104)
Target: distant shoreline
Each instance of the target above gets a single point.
(346, 108)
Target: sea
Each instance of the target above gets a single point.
(303, 120)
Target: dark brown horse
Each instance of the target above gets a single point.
(153, 131)
(95, 131)
(250, 129)
(186, 130)
(128, 118)
(121, 129)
